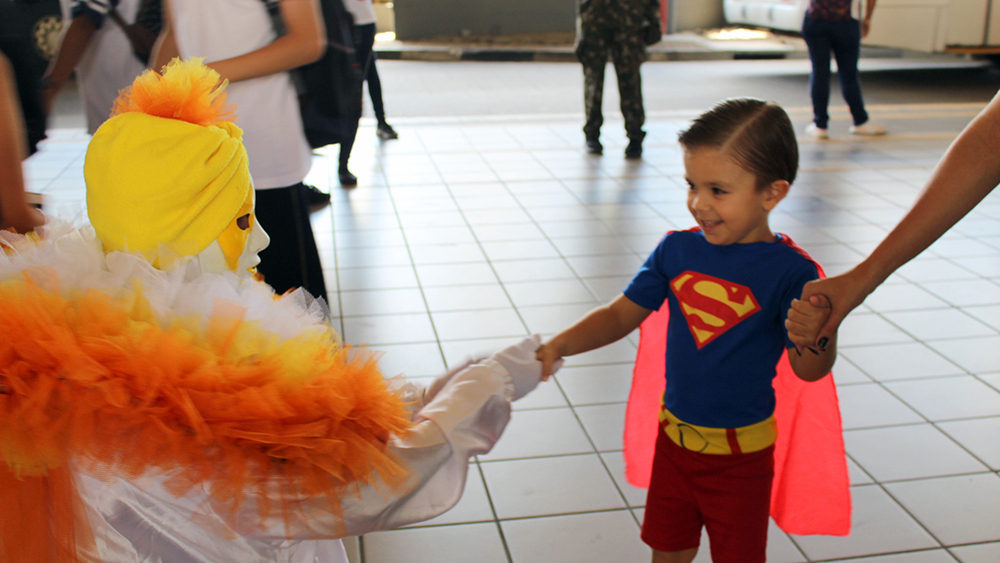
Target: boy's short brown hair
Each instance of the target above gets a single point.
(758, 135)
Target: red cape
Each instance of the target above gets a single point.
(811, 492)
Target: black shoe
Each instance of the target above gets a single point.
(316, 198)
(594, 146)
(386, 132)
(346, 178)
(634, 149)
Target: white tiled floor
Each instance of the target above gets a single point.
(464, 237)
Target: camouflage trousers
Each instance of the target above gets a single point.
(624, 45)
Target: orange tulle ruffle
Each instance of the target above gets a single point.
(223, 403)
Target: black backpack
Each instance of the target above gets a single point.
(330, 88)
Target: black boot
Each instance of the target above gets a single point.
(594, 146)
(634, 149)
(316, 198)
(346, 178)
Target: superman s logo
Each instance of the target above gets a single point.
(711, 305)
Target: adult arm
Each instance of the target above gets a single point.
(969, 171)
(305, 42)
(14, 209)
(74, 44)
(165, 48)
(866, 21)
(601, 326)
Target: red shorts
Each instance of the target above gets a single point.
(729, 494)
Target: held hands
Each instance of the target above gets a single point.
(551, 358)
(806, 318)
(522, 363)
(843, 293)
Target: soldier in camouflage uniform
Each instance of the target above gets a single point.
(614, 27)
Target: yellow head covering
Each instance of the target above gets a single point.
(168, 167)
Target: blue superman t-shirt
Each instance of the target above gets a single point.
(727, 322)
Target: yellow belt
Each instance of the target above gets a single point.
(719, 441)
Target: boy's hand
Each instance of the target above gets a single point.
(547, 354)
(806, 319)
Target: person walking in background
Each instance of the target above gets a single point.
(363, 12)
(830, 25)
(363, 33)
(615, 28)
(99, 51)
(237, 39)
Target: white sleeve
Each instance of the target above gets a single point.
(465, 413)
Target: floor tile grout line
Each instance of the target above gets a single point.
(482, 475)
(493, 511)
(926, 419)
(412, 264)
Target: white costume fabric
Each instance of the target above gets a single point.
(108, 65)
(268, 106)
(135, 520)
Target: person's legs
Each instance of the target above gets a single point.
(628, 54)
(343, 172)
(845, 40)
(364, 41)
(735, 504)
(383, 129)
(818, 43)
(364, 37)
(592, 51)
(672, 522)
(686, 556)
(292, 259)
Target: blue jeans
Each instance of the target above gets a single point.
(844, 39)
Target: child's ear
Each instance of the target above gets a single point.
(775, 192)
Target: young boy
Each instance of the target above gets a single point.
(728, 284)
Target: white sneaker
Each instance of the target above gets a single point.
(816, 132)
(868, 129)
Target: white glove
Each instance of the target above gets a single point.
(519, 360)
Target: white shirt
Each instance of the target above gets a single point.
(108, 64)
(362, 10)
(267, 108)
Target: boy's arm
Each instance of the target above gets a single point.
(805, 319)
(602, 326)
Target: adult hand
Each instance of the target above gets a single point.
(22, 220)
(866, 26)
(844, 292)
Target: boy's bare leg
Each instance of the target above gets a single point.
(686, 556)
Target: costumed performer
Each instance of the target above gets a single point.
(157, 404)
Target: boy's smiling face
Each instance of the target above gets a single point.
(724, 199)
